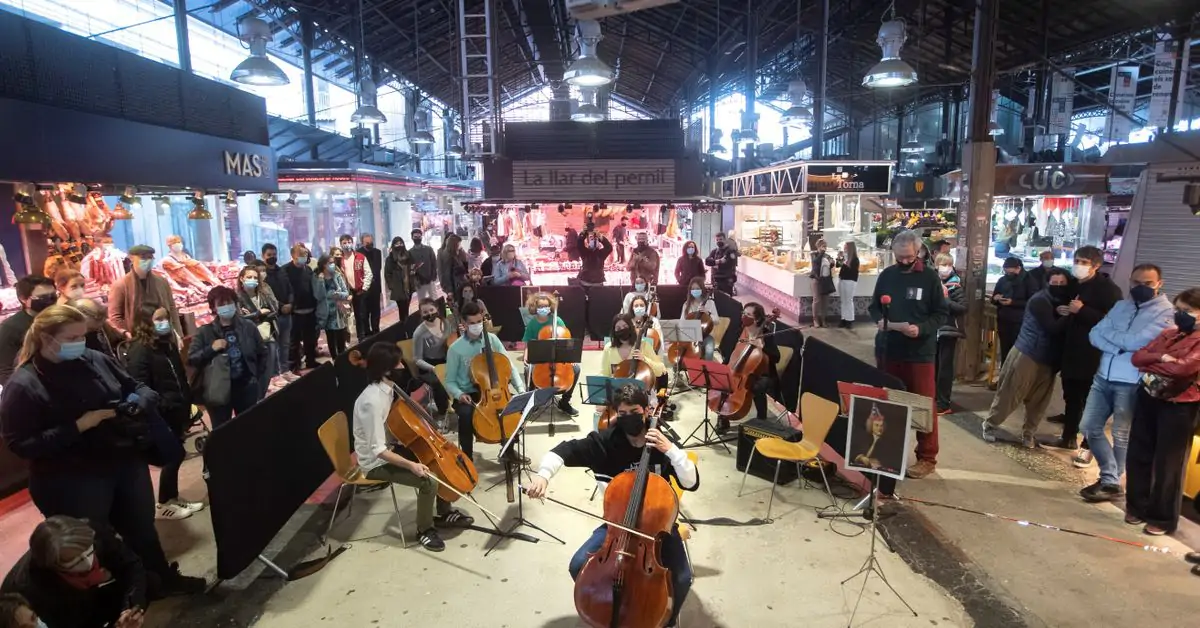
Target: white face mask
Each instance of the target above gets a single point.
(1047, 263)
(944, 271)
(1081, 271)
(475, 329)
(177, 247)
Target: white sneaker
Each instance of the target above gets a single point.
(174, 510)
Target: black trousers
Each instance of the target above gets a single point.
(243, 394)
(372, 303)
(337, 339)
(358, 301)
(1007, 331)
(1159, 441)
(168, 478)
(1075, 394)
(441, 398)
(120, 495)
(304, 331)
(402, 303)
(763, 385)
(946, 346)
(466, 424)
(620, 246)
(724, 284)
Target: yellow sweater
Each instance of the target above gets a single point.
(612, 357)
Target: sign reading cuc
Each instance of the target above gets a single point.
(245, 165)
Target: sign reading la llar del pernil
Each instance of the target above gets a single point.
(601, 179)
(245, 165)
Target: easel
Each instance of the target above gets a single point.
(681, 330)
(709, 377)
(525, 403)
(556, 351)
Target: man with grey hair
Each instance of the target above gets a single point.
(906, 343)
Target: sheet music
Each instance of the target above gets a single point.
(922, 408)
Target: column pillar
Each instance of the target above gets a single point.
(818, 126)
(307, 41)
(181, 36)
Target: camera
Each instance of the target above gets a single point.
(589, 221)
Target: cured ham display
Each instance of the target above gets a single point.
(103, 264)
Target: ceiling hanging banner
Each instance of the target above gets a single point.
(1183, 113)
(1062, 101)
(1163, 81)
(1122, 94)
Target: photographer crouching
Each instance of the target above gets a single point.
(88, 430)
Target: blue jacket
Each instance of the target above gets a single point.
(1125, 329)
(1042, 330)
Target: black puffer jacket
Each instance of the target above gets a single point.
(1081, 360)
(159, 365)
(1020, 288)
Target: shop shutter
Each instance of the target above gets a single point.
(1169, 235)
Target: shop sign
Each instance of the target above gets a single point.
(1163, 81)
(848, 179)
(1062, 101)
(582, 179)
(1122, 96)
(246, 165)
(1051, 180)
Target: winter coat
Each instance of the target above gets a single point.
(1127, 328)
(1080, 359)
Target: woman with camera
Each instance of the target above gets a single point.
(237, 339)
(154, 360)
(81, 422)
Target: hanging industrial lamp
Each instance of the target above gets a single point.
(367, 112)
(913, 145)
(891, 71)
(994, 127)
(28, 212)
(714, 143)
(199, 211)
(588, 70)
(587, 111)
(797, 116)
(455, 141)
(257, 69)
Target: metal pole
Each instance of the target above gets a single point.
(899, 136)
(818, 126)
(956, 128)
(307, 37)
(181, 36)
(751, 70)
(1182, 38)
(712, 101)
(979, 173)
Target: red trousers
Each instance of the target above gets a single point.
(918, 378)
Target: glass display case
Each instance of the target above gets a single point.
(1024, 226)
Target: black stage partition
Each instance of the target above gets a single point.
(351, 379)
(670, 301)
(505, 304)
(828, 366)
(603, 305)
(264, 464)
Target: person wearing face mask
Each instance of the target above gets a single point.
(78, 575)
(689, 265)
(488, 267)
(276, 279)
(1010, 295)
(359, 277)
(475, 253)
(723, 260)
(397, 274)
(1027, 376)
(697, 301)
(754, 332)
(459, 385)
(452, 265)
(847, 264)
(541, 306)
(594, 250)
(645, 260)
(821, 278)
(641, 288)
(57, 412)
(948, 334)
(35, 293)
(622, 348)
(1094, 297)
(424, 267)
(611, 452)
(304, 284)
(1130, 325)
(373, 292)
(239, 340)
(154, 360)
(619, 234)
(906, 343)
(100, 335)
(140, 285)
(429, 350)
(1045, 263)
(1164, 420)
(334, 315)
(257, 303)
(70, 285)
(509, 271)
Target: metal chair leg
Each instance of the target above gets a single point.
(825, 479)
(336, 502)
(774, 481)
(353, 495)
(399, 521)
(745, 471)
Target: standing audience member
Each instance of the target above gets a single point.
(488, 268)
(334, 312)
(1164, 420)
(821, 278)
(723, 260)
(690, 264)
(619, 235)
(645, 261)
(475, 254)
(397, 269)
(359, 278)
(948, 335)
(373, 293)
(304, 315)
(429, 350)
(1041, 274)
(1028, 373)
(70, 284)
(452, 265)
(1012, 290)
(424, 267)
(57, 412)
(154, 360)
(906, 347)
(1129, 326)
(257, 303)
(847, 263)
(509, 271)
(571, 243)
(248, 258)
(1095, 295)
(594, 250)
(139, 286)
(35, 293)
(75, 575)
(276, 278)
(100, 335)
(240, 341)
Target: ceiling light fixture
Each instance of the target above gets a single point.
(797, 116)
(749, 128)
(199, 211)
(714, 143)
(588, 70)
(994, 127)
(367, 112)
(587, 111)
(28, 212)
(257, 69)
(891, 71)
(913, 145)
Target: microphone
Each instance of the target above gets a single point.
(884, 302)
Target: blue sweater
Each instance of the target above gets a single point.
(1125, 329)
(1042, 330)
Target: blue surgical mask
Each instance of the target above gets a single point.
(145, 264)
(250, 283)
(639, 286)
(332, 267)
(303, 259)
(71, 350)
(226, 311)
(162, 328)
(543, 311)
(639, 311)
(696, 293)
(691, 250)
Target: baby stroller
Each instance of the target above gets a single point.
(196, 425)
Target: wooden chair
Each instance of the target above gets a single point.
(719, 329)
(406, 351)
(817, 415)
(440, 370)
(785, 356)
(334, 435)
(685, 530)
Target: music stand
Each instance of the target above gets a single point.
(711, 377)
(525, 403)
(681, 330)
(556, 351)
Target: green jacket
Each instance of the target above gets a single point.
(917, 298)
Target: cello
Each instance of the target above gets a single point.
(412, 426)
(651, 303)
(679, 350)
(491, 375)
(630, 369)
(624, 584)
(747, 363)
(560, 375)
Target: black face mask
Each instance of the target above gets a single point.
(416, 240)
(905, 267)
(1058, 293)
(1185, 322)
(721, 244)
(39, 303)
(632, 424)
(396, 374)
(429, 318)
(270, 261)
(368, 245)
(624, 334)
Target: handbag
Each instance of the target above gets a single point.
(826, 285)
(211, 384)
